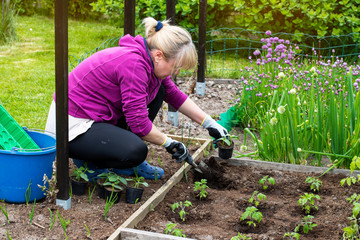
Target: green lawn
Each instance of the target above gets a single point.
(27, 66)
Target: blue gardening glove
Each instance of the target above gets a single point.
(178, 150)
(215, 130)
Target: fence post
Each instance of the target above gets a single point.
(129, 17)
(173, 115)
(200, 84)
(62, 125)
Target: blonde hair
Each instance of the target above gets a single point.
(175, 42)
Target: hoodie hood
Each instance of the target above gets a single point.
(139, 43)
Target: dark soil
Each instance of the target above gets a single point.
(218, 216)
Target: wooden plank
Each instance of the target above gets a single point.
(160, 194)
(286, 166)
(133, 234)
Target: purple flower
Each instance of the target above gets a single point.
(256, 52)
(268, 32)
(287, 42)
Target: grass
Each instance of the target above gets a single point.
(27, 66)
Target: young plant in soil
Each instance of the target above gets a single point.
(256, 197)
(266, 181)
(138, 181)
(252, 215)
(315, 183)
(91, 193)
(240, 236)
(171, 230)
(182, 206)
(4, 210)
(53, 218)
(200, 188)
(79, 174)
(110, 201)
(63, 223)
(28, 194)
(350, 180)
(291, 235)
(306, 224)
(31, 214)
(353, 232)
(307, 202)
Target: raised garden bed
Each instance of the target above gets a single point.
(218, 217)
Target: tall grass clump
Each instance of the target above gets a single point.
(298, 111)
(7, 27)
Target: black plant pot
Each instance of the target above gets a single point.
(225, 151)
(78, 188)
(101, 188)
(133, 195)
(116, 193)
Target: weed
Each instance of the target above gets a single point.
(182, 206)
(253, 215)
(265, 181)
(200, 188)
(307, 202)
(171, 230)
(256, 197)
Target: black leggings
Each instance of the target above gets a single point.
(110, 146)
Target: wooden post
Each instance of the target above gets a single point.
(200, 85)
(129, 17)
(61, 77)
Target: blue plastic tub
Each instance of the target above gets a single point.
(18, 169)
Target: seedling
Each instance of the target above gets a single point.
(8, 235)
(171, 230)
(256, 197)
(241, 237)
(31, 214)
(307, 202)
(227, 140)
(28, 194)
(315, 182)
(200, 188)
(265, 181)
(80, 173)
(63, 223)
(87, 232)
(182, 206)
(53, 218)
(253, 215)
(355, 198)
(110, 201)
(306, 224)
(291, 235)
(137, 181)
(91, 193)
(350, 180)
(113, 180)
(4, 210)
(352, 232)
(50, 191)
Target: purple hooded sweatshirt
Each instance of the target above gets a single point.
(117, 82)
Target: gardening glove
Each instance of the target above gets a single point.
(215, 130)
(178, 150)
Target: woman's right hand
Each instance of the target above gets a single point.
(178, 150)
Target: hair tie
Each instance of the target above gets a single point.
(158, 26)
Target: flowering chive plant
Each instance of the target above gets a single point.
(293, 103)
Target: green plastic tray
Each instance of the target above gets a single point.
(13, 135)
